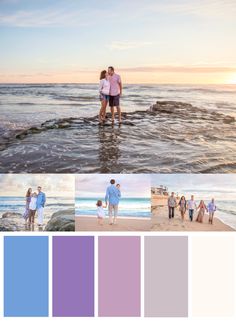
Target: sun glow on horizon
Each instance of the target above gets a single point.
(232, 80)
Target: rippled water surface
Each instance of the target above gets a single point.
(53, 128)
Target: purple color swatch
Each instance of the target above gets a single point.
(166, 276)
(119, 276)
(73, 276)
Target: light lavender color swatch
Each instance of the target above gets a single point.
(119, 276)
(166, 276)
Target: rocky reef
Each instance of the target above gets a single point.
(62, 220)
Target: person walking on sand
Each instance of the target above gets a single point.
(201, 211)
(104, 90)
(41, 200)
(100, 212)
(191, 206)
(112, 197)
(182, 207)
(172, 203)
(115, 93)
(27, 202)
(211, 209)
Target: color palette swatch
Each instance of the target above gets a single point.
(73, 276)
(180, 276)
(25, 276)
(213, 276)
(119, 276)
(166, 276)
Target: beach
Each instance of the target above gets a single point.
(13, 208)
(161, 222)
(90, 223)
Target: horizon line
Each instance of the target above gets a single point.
(92, 83)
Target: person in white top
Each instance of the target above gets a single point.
(104, 90)
(32, 208)
(191, 205)
(100, 212)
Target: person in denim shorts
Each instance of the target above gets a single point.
(115, 93)
(104, 90)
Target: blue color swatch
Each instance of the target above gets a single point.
(25, 276)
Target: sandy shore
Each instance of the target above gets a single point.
(85, 223)
(161, 222)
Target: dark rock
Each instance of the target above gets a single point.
(63, 220)
(12, 215)
(12, 221)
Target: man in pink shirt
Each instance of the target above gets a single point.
(115, 92)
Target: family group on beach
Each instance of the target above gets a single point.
(191, 206)
(35, 202)
(112, 199)
(110, 90)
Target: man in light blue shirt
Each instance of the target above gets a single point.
(211, 209)
(41, 199)
(112, 197)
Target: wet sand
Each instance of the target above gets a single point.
(85, 223)
(161, 222)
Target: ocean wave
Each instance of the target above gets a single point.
(227, 211)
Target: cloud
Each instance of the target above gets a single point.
(125, 45)
(53, 184)
(222, 186)
(179, 69)
(213, 8)
(46, 18)
(90, 185)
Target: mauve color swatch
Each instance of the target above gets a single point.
(26, 276)
(166, 276)
(73, 276)
(119, 276)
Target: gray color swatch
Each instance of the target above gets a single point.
(166, 276)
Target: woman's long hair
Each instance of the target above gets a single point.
(28, 193)
(182, 198)
(103, 74)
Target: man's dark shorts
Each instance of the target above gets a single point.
(114, 100)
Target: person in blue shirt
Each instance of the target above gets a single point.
(211, 209)
(41, 200)
(112, 198)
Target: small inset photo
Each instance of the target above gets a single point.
(37, 202)
(193, 202)
(113, 202)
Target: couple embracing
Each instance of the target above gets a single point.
(35, 201)
(110, 90)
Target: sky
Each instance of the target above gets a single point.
(53, 185)
(151, 41)
(220, 186)
(94, 186)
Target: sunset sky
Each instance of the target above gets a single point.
(151, 41)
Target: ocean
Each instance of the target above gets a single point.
(128, 207)
(17, 204)
(226, 212)
(52, 128)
